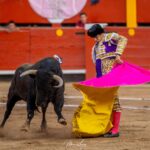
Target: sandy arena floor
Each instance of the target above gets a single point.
(135, 124)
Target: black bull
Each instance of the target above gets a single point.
(38, 85)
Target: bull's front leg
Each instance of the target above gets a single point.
(26, 126)
(58, 110)
(44, 123)
(58, 104)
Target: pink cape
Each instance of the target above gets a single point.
(93, 116)
(121, 75)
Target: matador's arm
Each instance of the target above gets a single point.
(121, 43)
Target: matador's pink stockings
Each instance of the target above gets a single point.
(116, 122)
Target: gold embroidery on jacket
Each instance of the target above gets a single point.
(106, 55)
(107, 65)
(111, 38)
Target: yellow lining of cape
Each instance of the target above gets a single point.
(93, 117)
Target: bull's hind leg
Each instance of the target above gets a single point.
(30, 114)
(9, 106)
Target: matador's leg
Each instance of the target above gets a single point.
(116, 114)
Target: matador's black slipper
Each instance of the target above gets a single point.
(111, 135)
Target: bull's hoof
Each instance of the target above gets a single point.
(24, 129)
(44, 127)
(62, 121)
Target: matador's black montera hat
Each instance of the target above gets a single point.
(95, 30)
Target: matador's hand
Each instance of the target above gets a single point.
(118, 60)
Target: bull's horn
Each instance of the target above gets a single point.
(28, 72)
(59, 79)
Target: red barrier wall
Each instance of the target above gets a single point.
(137, 51)
(32, 44)
(14, 49)
(112, 11)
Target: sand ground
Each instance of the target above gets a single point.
(135, 125)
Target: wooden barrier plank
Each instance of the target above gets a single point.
(14, 49)
(33, 44)
(70, 46)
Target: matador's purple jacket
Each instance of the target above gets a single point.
(104, 52)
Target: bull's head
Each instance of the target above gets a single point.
(45, 84)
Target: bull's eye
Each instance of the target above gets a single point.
(52, 82)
